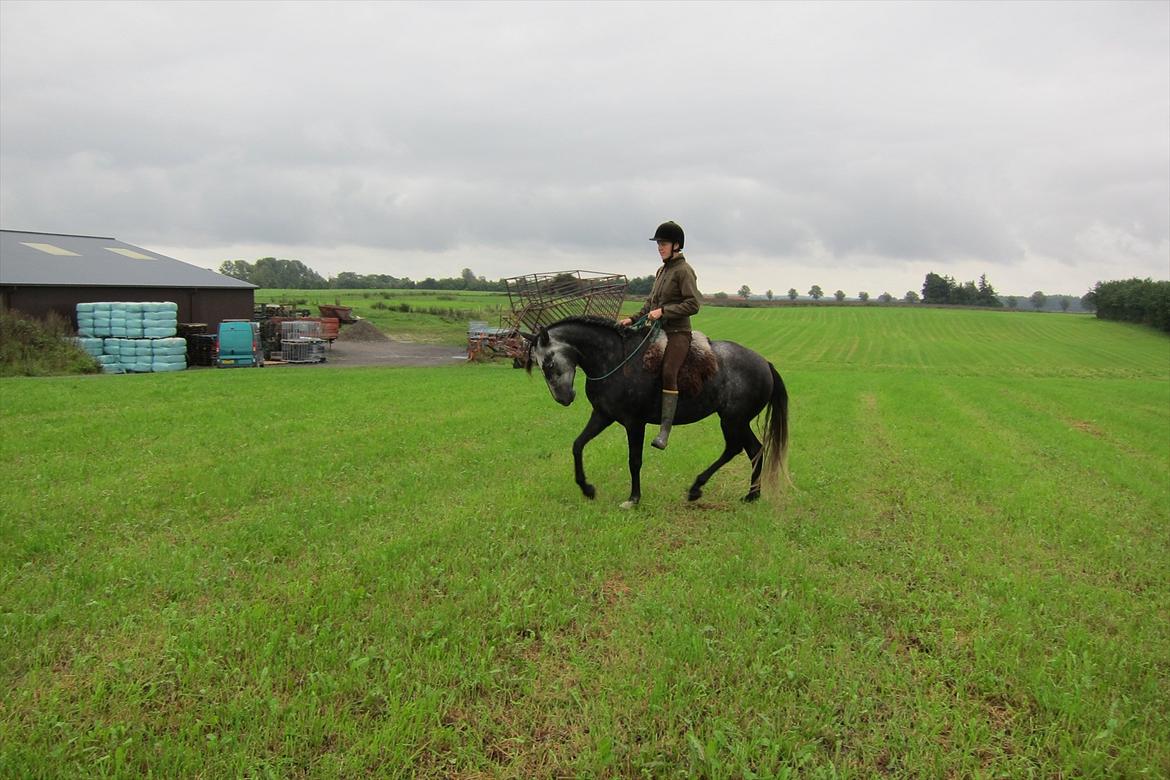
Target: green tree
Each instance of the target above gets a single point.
(768, 295)
(937, 289)
(640, 285)
(985, 293)
(910, 297)
(1038, 300)
(792, 293)
(863, 296)
(269, 272)
(1134, 300)
(816, 293)
(1065, 302)
(885, 298)
(745, 292)
(348, 280)
(839, 295)
(965, 294)
(237, 269)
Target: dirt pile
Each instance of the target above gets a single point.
(362, 330)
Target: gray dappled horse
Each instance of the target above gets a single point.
(624, 391)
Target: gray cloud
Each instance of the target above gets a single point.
(853, 135)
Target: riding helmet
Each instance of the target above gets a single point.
(669, 231)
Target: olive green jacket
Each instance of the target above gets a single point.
(676, 292)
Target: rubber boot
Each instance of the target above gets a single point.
(669, 405)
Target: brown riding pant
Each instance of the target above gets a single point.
(677, 346)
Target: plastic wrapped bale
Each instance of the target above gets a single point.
(93, 347)
(169, 354)
(85, 319)
(101, 320)
(118, 319)
(160, 320)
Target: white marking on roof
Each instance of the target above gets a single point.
(50, 249)
(129, 253)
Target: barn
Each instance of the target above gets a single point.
(44, 272)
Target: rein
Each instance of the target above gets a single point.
(650, 331)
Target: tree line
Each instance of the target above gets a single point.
(270, 272)
(1132, 300)
(273, 273)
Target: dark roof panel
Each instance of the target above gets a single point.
(56, 259)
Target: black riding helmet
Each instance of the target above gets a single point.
(669, 231)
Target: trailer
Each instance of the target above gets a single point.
(538, 300)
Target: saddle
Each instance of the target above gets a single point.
(700, 364)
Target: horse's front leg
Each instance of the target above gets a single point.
(636, 438)
(598, 422)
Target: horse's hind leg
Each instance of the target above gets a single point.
(732, 445)
(755, 455)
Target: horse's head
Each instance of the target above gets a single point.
(557, 360)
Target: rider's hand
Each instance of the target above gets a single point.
(656, 314)
(625, 321)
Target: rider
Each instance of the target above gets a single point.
(673, 299)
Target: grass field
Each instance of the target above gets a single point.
(379, 572)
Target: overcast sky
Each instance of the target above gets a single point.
(854, 146)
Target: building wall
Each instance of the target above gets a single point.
(207, 305)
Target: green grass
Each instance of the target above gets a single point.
(389, 572)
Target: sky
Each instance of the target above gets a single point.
(855, 146)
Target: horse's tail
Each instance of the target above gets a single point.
(775, 452)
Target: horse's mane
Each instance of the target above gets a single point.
(592, 319)
(582, 319)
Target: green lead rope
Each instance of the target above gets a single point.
(650, 331)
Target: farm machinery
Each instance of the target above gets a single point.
(290, 333)
(541, 299)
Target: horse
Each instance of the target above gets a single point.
(622, 390)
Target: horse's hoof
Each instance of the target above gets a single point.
(628, 504)
(751, 497)
(694, 494)
(589, 491)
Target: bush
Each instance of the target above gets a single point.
(34, 347)
(1133, 300)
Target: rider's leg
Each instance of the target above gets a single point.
(677, 346)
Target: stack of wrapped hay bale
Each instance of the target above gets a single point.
(134, 337)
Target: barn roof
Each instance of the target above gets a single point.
(59, 260)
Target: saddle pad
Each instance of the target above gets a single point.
(700, 364)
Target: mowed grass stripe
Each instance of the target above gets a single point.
(390, 572)
(962, 342)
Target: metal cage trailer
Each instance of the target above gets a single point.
(539, 300)
(301, 342)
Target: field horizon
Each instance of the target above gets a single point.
(390, 572)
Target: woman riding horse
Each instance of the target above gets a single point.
(673, 299)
